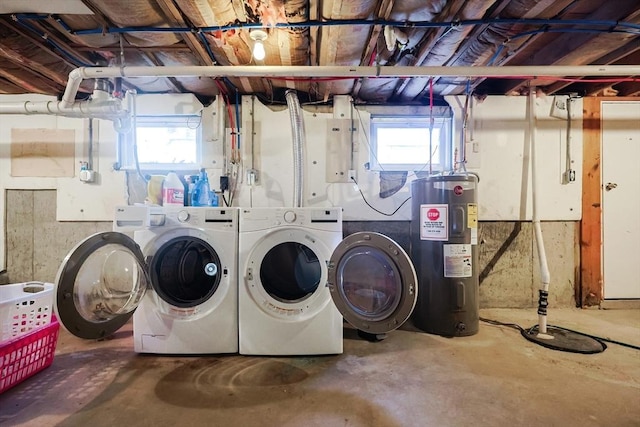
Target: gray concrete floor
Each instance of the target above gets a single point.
(494, 378)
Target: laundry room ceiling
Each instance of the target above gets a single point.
(41, 42)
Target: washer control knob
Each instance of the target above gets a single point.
(183, 216)
(289, 216)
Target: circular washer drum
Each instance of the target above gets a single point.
(185, 271)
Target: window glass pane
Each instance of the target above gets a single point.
(162, 143)
(407, 145)
(166, 144)
(403, 143)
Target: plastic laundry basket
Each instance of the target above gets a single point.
(24, 307)
(23, 357)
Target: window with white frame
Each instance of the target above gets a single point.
(162, 143)
(411, 142)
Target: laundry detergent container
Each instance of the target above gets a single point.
(444, 251)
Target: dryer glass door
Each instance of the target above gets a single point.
(99, 285)
(372, 282)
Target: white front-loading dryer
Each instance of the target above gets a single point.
(179, 271)
(285, 307)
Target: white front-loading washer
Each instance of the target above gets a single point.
(285, 307)
(179, 271)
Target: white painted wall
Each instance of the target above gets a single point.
(500, 136)
(501, 139)
(501, 159)
(77, 201)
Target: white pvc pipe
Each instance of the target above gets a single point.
(545, 276)
(96, 107)
(76, 76)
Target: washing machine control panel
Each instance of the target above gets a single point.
(289, 217)
(183, 216)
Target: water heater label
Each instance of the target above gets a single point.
(457, 261)
(472, 215)
(434, 222)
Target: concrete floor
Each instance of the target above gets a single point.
(494, 378)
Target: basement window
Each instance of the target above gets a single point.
(401, 142)
(162, 143)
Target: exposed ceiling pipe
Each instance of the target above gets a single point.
(100, 106)
(77, 75)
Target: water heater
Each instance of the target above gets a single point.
(444, 251)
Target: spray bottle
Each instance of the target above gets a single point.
(202, 191)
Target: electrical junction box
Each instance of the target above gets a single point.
(87, 175)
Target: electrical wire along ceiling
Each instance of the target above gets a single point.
(42, 42)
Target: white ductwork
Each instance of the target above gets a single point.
(76, 76)
(298, 137)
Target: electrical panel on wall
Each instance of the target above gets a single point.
(340, 145)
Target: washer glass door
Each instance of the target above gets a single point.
(99, 285)
(373, 282)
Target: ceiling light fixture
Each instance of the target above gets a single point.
(258, 37)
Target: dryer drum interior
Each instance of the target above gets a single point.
(185, 271)
(290, 272)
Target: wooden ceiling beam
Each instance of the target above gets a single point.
(105, 22)
(37, 41)
(30, 85)
(495, 12)
(451, 11)
(383, 11)
(570, 44)
(9, 87)
(539, 10)
(29, 65)
(176, 17)
(628, 54)
(63, 44)
(97, 13)
(156, 49)
(628, 88)
(617, 89)
(174, 82)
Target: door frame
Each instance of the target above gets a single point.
(590, 290)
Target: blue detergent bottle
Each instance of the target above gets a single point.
(202, 194)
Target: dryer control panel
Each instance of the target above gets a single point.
(255, 219)
(215, 218)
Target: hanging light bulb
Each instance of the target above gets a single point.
(258, 37)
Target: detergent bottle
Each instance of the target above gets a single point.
(172, 191)
(214, 200)
(202, 192)
(154, 190)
